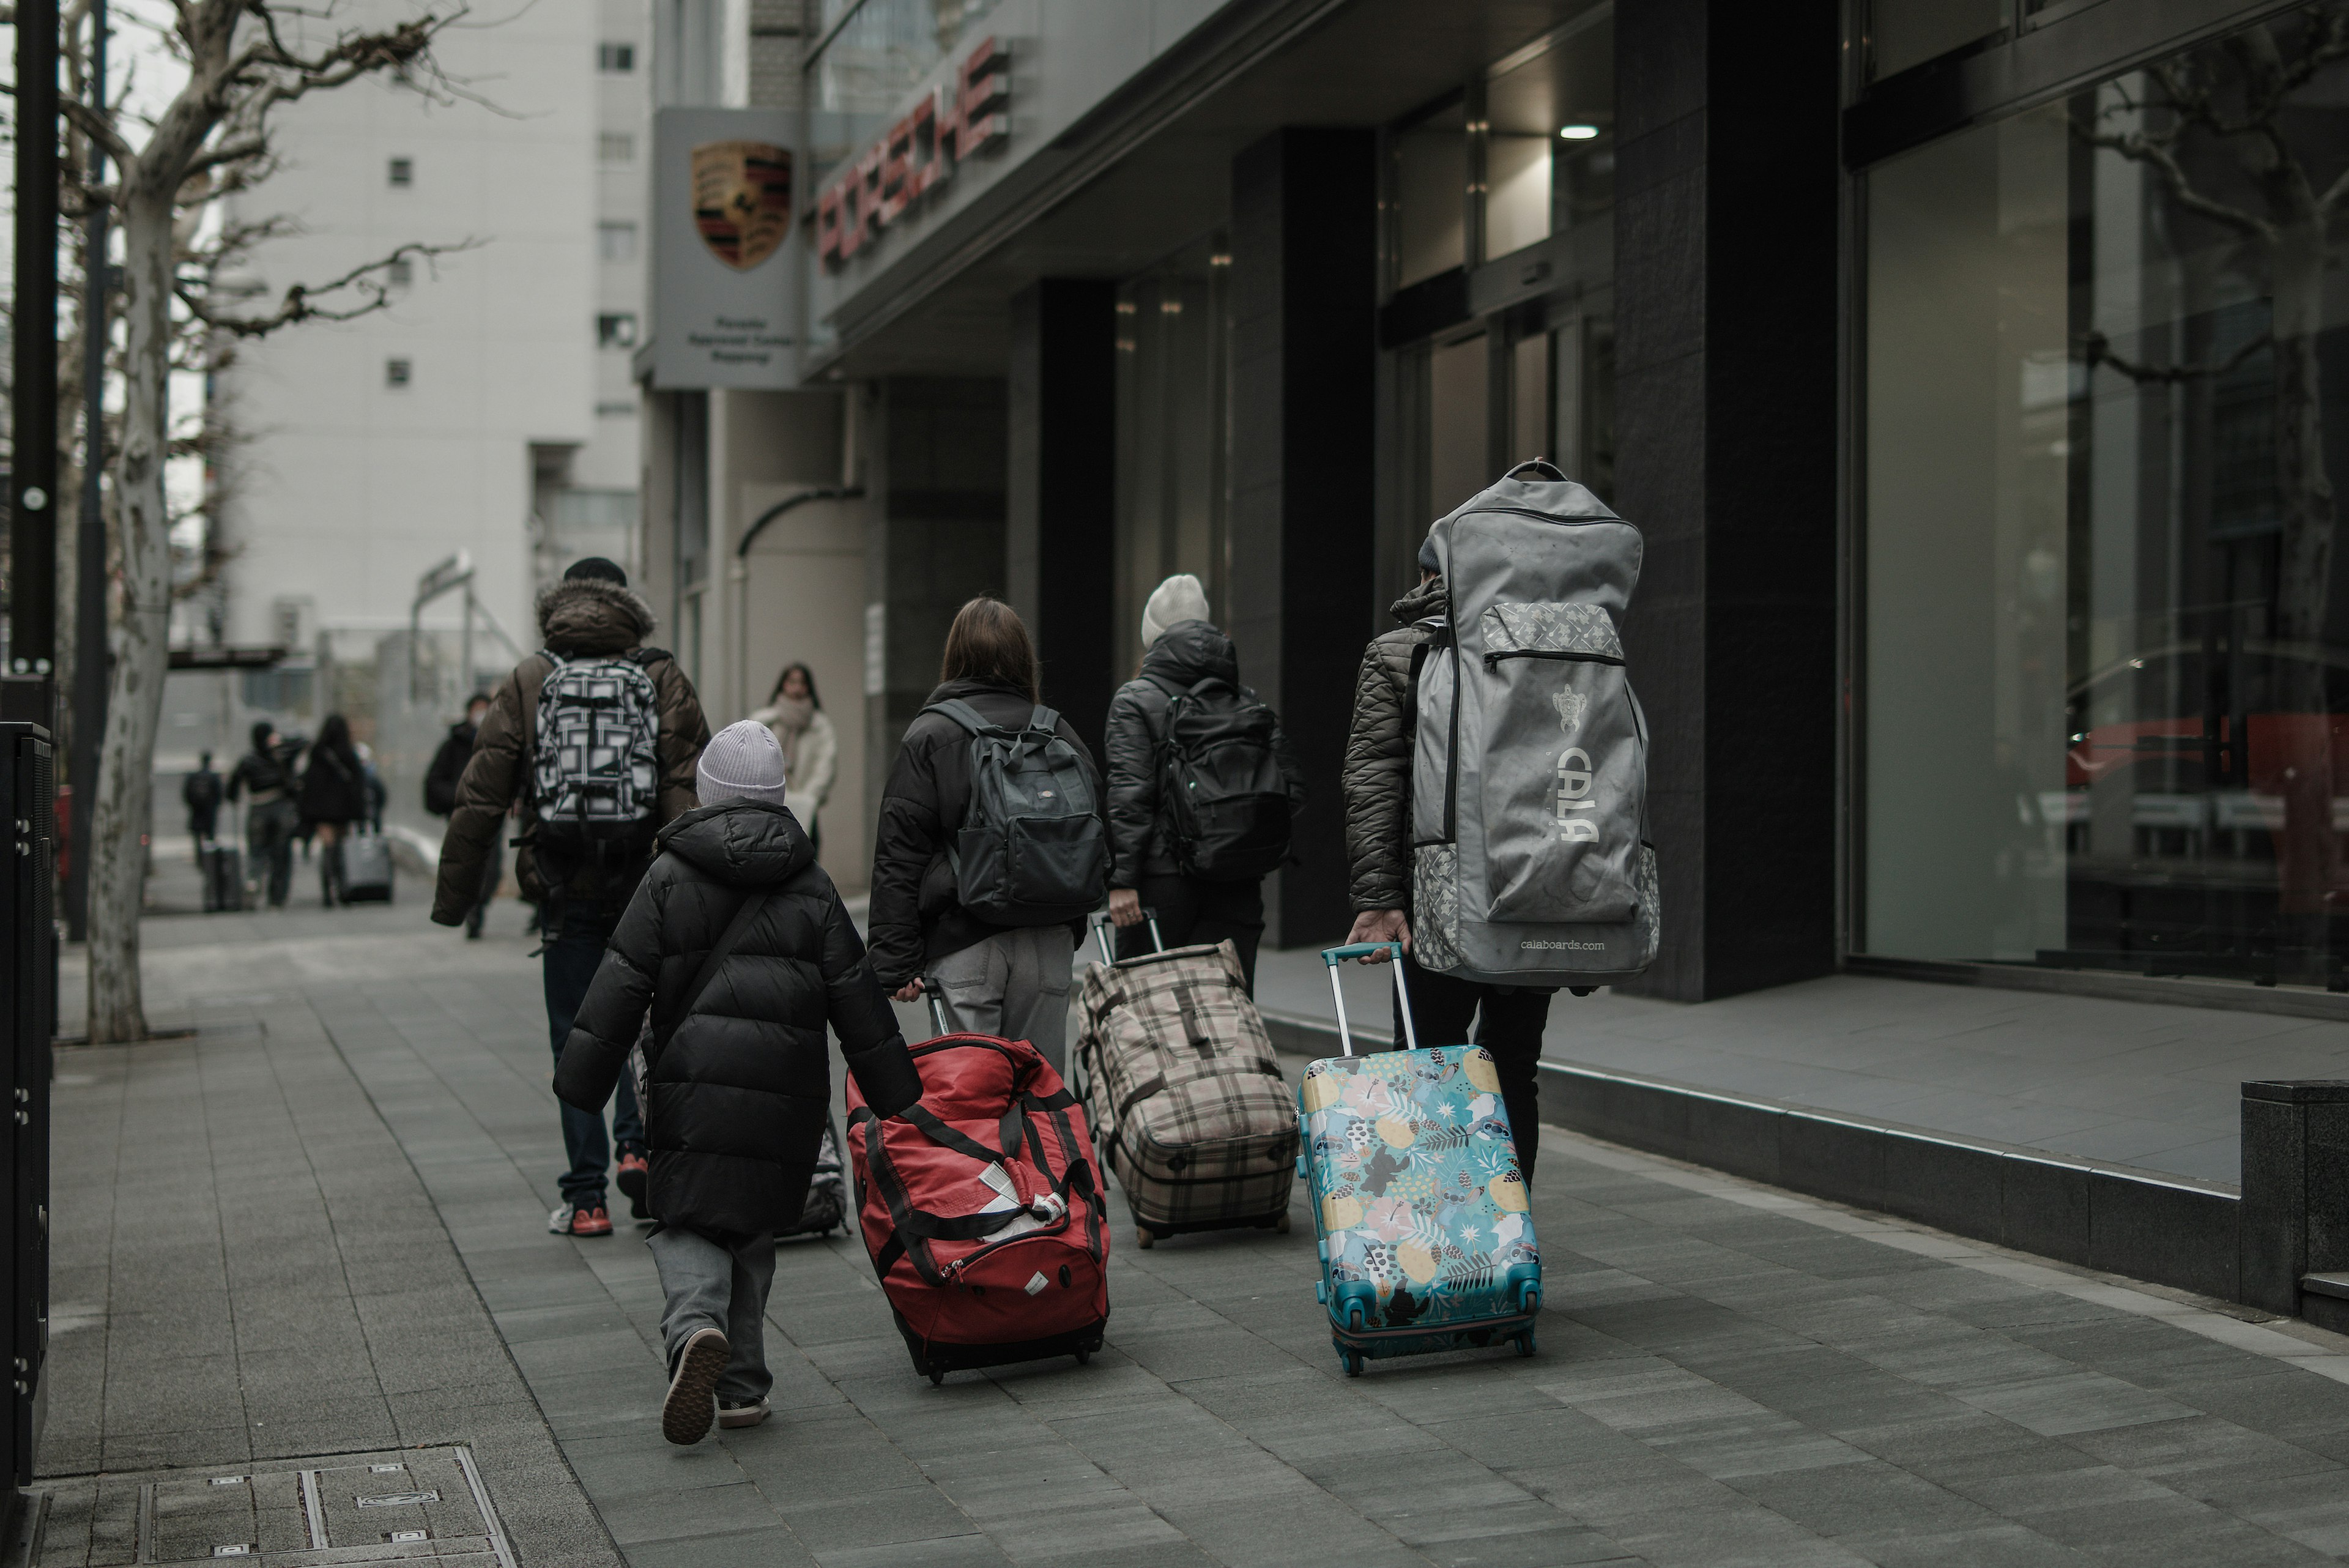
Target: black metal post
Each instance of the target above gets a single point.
(32, 411)
(93, 672)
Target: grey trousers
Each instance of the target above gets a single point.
(1015, 986)
(719, 1285)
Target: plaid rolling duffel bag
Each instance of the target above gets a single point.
(1185, 1093)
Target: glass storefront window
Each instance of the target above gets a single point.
(1172, 434)
(886, 47)
(1549, 159)
(2106, 656)
(1430, 193)
(1904, 33)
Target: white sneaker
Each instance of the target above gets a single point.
(749, 1414)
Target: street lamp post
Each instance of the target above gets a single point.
(33, 403)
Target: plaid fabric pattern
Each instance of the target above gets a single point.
(1194, 1116)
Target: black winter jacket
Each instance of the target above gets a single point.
(1378, 755)
(1140, 842)
(335, 787)
(448, 767)
(739, 1088)
(915, 919)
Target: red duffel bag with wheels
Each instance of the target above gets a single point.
(982, 1209)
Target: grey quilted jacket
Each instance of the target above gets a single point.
(1378, 756)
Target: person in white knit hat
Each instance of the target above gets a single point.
(738, 946)
(1203, 876)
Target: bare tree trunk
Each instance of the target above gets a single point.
(141, 650)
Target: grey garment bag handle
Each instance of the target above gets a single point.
(1537, 468)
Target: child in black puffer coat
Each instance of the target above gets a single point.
(738, 1080)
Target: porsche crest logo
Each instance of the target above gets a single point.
(741, 200)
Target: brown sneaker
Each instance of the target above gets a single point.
(581, 1219)
(685, 1414)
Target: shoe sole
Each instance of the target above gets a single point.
(686, 1414)
(632, 1188)
(739, 1418)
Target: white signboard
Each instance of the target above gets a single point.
(725, 249)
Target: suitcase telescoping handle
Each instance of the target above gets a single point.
(938, 1008)
(1333, 957)
(1104, 928)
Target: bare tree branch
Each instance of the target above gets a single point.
(300, 302)
(2096, 350)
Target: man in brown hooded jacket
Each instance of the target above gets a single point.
(590, 613)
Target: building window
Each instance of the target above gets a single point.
(2106, 652)
(395, 372)
(615, 330)
(616, 410)
(403, 172)
(618, 59)
(615, 147)
(1904, 33)
(617, 242)
(1549, 145)
(1428, 196)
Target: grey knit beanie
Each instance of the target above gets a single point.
(743, 761)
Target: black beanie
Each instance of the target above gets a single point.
(1429, 561)
(596, 568)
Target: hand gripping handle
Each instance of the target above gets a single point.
(1333, 957)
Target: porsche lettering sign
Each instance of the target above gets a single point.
(741, 200)
(964, 115)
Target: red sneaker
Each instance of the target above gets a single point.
(632, 1175)
(581, 1219)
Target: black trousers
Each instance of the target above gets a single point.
(1509, 1022)
(1190, 910)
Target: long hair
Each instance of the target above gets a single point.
(784, 678)
(334, 735)
(989, 642)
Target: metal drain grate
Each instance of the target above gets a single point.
(417, 1508)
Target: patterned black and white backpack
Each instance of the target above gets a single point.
(596, 771)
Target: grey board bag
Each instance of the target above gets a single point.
(1530, 859)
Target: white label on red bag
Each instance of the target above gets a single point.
(1036, 1283)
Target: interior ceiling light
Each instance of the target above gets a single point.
(1578, 132)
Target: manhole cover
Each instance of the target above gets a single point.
(417, 1506)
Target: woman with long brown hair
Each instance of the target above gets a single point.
(1009, 980)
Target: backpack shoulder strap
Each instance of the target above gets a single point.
(1045, 719)
(646, 657)
(962, 713)
(727, 941)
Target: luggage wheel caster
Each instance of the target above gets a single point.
(937, 1377)
(1142, 1238)
(1525, 1344)
(1085, 1355)
(1352, 1361)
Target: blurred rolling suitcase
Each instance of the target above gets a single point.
(367, 868)
(827, 1199)
(1426, 1233)
(981, 1208)
(223, 869)
(1184, 1091)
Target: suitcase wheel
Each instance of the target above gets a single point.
(938, 1375)
(1352, 1361)
(1142, 1238)
(1525, 1344)
(1084, 1354)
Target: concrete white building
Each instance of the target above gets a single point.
(491, 408)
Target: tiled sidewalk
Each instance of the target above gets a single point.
(1727, 1374)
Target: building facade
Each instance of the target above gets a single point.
(1965, 364)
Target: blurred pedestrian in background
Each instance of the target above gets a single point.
(200, 792)
(811, 746)
(265, 774)
(333, 795)
(1201, 891)
(440, 799)
(590, 616)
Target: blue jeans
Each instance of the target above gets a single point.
(572, 957)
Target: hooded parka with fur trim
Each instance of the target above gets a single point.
(577, 619)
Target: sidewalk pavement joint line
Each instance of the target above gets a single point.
(2218, 1326)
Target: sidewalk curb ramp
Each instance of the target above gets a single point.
(2168, 1230)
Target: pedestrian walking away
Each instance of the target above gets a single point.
(1202, 787)
(440, 799)
(737, 945)
(264, 777)
(1508, 1020)
(811, 746)
(200, 792)
(599, 689)
(333, 796)
(988, 780)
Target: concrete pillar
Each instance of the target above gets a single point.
(2296, 1218)
(1726, 457)
(1304, 367)
(1062, 527)
(935, 474)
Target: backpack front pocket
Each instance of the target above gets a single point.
(1565, 768)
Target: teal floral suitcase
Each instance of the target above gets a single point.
(1426, 1233)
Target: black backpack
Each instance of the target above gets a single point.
(1221, 784)
(1031, 850)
